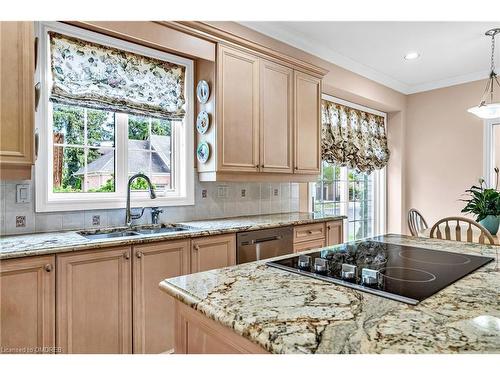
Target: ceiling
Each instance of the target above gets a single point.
(450, 52)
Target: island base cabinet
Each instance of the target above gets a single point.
(94, 301)
(196, 334)
(154, 314)
(27, 301)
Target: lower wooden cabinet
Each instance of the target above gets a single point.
(209, 253)
(316, 235)
(197, 334)
(153, 309)
(308, 245)
(27, 302)
(108, 300)
(94, 301)
(334, 232)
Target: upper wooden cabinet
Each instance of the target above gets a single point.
(17, 97)
(276, 121)
(94, 301)
(266, 118)
(213, 252)
(153, 311)
(307, 124)
(238, 108)
(27, 303)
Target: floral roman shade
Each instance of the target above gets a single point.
(353, 138)
(96, 76)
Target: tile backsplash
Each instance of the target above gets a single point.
(212, 200)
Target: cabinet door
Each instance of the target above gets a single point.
(276, 126)
(27, 302)
(307, 123)
(94, 311)
(16, 96)
(334, 232)
(154, 316)
(238, 111)
(213, 252)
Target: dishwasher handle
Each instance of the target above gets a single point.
(261, 240)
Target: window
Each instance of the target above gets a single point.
(344, 191)
(491, 150)
(88, 153)
(359, 196)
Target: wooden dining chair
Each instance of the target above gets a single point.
(416, 222)
(468, 224)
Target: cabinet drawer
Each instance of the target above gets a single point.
(309, 245)
(308, 232)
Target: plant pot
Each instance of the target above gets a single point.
(491, 223)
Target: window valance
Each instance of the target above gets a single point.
(353, 138)
(95, 76)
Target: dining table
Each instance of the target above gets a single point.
(475, 235)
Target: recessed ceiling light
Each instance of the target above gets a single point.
(412, 55)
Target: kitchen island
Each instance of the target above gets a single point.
(252, 308)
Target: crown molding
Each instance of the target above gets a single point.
(447, 82)
(318, 49)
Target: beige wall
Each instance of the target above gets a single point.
(347, 85)
(444, 149)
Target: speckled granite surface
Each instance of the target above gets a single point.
(58, 242)
(288, 313)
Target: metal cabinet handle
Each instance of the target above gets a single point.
(197, 247)
(37, 95)
(37, 142)
(126, 255)
(138, 254)
(36, 52)
(310, 232)
(48, 267)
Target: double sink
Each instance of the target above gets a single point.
(133, 231)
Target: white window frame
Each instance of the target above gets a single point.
(379, 182)
(489, 151)
(182, 166)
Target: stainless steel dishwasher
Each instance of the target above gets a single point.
(263, 244)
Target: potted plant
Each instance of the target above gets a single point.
(484, 203)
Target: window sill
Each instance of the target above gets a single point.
(87, 205)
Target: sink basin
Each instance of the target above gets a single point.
(108, 234)
(134, 231)
(161, 229)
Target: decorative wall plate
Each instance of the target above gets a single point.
(202, 91)
(202, 122)
(203, 152)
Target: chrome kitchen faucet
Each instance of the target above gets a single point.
(129, 216)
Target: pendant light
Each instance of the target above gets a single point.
(488, 109)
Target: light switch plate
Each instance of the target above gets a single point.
(23, 194)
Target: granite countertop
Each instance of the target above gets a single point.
(288, 313)
(58, 242)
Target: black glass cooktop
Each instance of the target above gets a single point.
(404, 273)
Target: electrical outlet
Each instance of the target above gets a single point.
(276, 192)
(243, 193)
(204, 193)
(20, 221)
(96, 220)
(222, 191)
